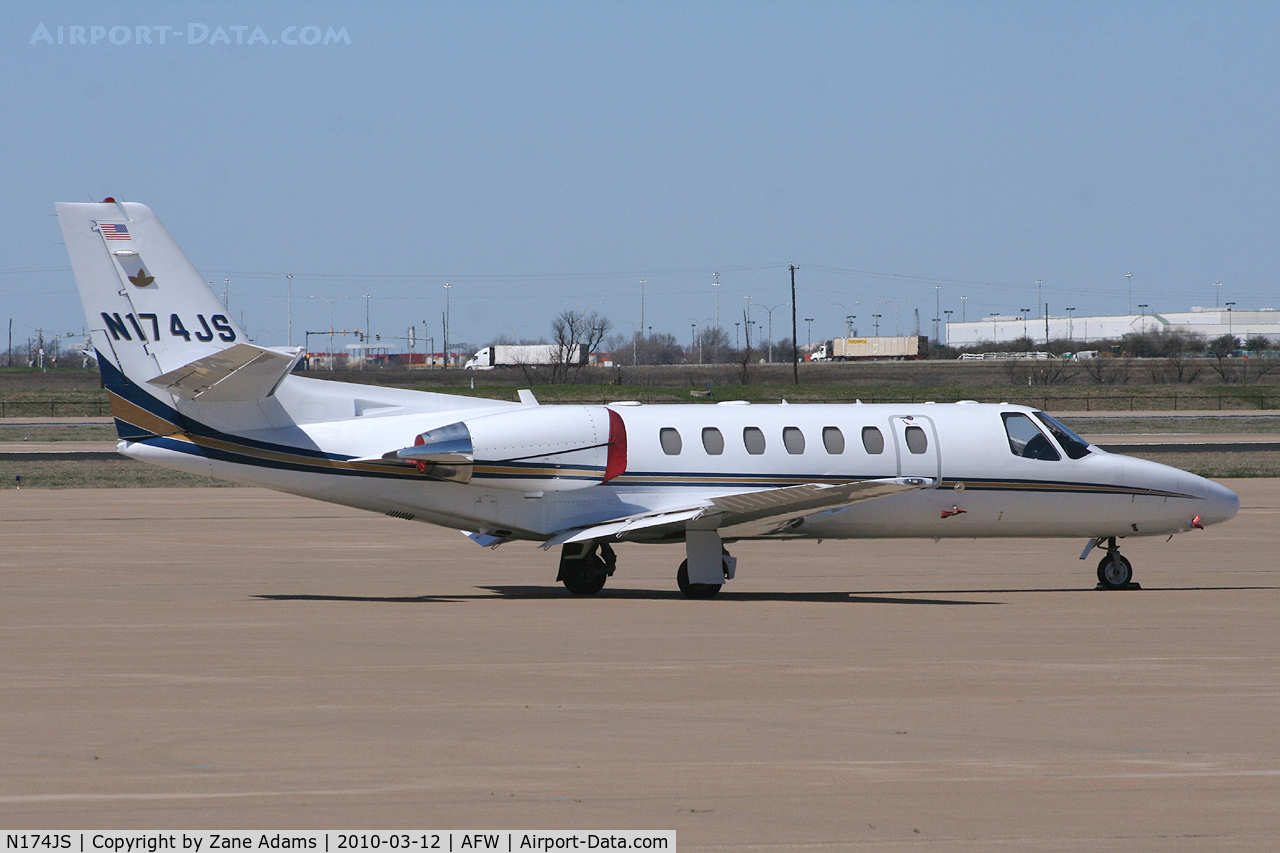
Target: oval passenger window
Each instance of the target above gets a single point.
(917, 441)
(873, 440)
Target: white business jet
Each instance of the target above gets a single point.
(189, 391)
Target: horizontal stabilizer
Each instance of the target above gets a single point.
(239, 373)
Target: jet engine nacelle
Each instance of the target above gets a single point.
(539, 448)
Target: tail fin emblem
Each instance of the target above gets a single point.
(142, 279)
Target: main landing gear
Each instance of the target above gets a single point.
(695, 590)
(1114, 571)
(585, 566)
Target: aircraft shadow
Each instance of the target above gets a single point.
(899, 596)
(404, 599)
(531, 593)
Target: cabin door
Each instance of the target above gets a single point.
(916, 441)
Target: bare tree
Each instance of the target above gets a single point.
(575, 336)
(1106, 370)
(713, 345)
(1056, 371)
(1181, 352)
(1222, 348)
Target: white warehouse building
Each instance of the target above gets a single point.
(1210, 322)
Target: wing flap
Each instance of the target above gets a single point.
(745, 513)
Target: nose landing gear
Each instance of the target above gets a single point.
(1114, 571)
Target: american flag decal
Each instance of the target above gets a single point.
(113, 231)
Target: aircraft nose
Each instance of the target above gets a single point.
(1220, 504)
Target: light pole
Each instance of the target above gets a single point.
(1230, 327)
(848, 318)
(1071, 323)
(1129, 277)
(699, 336)
(289, 303)
(876, 323)
(1039, 297)
(947, 325)
(1217, 291)
(964, 315)
(770, 313)
(226, 295)
(445, 331)
(643, 282)
(716, 285)
(809, 333)
(330, 300)
(1025, 312)
(634, 335)
(367, 297)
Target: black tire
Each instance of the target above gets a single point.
(1114, 572)
(694, 590)
(585, 578)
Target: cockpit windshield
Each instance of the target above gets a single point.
(1075, 446)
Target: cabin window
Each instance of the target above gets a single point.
(671, 443)
(873, 440)
(712, 441)
(1026, 439)
(753, 438)
(833, 440)
(793, 440)
(917, 441)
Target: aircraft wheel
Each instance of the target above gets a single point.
(694, 590)
(585, 578)
(1114, 572)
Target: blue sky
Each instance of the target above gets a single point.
(543, 156)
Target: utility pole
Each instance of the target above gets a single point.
(795, 352)
(937, 311)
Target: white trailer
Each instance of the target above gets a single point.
(845, 349)
(516, 355)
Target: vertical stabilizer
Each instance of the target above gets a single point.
(150, 312)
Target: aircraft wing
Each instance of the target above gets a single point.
(241, 372)
(753, 513)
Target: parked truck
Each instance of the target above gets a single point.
(516, 355)
(895, 347)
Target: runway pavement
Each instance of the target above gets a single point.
(240, 659)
